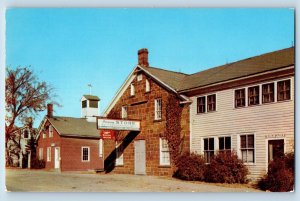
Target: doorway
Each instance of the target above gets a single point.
(275, 149)
(139, 157)
(57, 158)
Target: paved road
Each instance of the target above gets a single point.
(40, 180)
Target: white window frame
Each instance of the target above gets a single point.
(148, 88)
(132, 89)
(50, 131)
(291, 84)
(224, 136)
(119, 157)
(124, 112)
(158, 109)
(88, 159)
(209, 150)
(44, 135)
(139, 77)
(48, 154)
(41, 153)
(239, 147)
(101, 148)
(163, 151)
(205, 96)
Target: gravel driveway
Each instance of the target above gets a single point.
(40, 180)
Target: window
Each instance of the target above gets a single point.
(48, 154)
(147, 85)
(101, 148)
(209, 148)
(124, 112)
(50, 131)
(225, 144)
(119, 154)
(164, 152)
(240, 98)
(44, 135)
(201, 104)
(247, 148)
(132, 90)
(211, 103)
(268, 93)
(157, 107)
(139, 77)
(253, 95)
(25, 134)
(85, 154)
(284, 90)
(41, 156)
(93, 103)
(84, 103)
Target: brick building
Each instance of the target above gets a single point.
(144, 96)
(69, 144)
(246, 106)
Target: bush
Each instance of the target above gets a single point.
(280, 176)
(225, 167)
(38, 164)
(190, 167)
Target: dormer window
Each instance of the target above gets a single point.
(84, 104)
(132, 90)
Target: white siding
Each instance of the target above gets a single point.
(267, 121)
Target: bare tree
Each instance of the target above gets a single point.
(25, 96)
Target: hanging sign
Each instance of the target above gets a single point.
(118, 124)
(107, 134)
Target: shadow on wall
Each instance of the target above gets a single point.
(109, 162)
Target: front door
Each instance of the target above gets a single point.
(57, 158)
(139, 157)
(275, 149)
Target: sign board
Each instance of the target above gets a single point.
(118, 124)
(107, 134)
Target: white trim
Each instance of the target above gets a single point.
(89, 153)
(48, 154)
(101, 151)
(239, 147)
(267, 149)
(161, 151)
(120, 92)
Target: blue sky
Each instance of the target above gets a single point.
(70, 48)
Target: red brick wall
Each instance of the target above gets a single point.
(151, 130)
(70, 152)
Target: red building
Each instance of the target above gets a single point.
(69, 144)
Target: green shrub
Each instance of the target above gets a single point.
(280, 176)
(38, 164)
(225, 167)
(190, 167)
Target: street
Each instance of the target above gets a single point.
(40, 180)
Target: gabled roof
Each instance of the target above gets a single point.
(250, 66)
(91, 97)
(171, 78)
(74, 127)
(246, 67)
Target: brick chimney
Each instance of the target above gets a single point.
(143, 57)
(50, 110)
